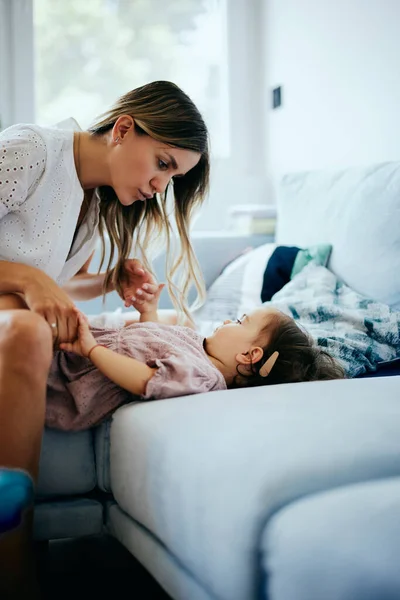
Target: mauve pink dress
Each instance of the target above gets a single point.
(79, 396)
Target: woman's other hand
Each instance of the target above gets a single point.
(138, 285)
(44, 297)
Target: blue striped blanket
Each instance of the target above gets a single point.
(358, 331)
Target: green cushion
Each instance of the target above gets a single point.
(319, 253)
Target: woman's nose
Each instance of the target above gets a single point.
(159, 184)
(227, 322)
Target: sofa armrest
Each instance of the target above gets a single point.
(213, 249)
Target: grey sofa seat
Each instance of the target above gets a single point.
(319, 547)
(67, 478)
(67, 464)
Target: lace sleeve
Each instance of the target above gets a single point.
(22, 162)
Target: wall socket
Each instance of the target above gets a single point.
(277, 97)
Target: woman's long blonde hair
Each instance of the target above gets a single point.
(163, 111)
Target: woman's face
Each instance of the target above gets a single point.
(141, 166)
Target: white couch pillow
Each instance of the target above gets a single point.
(238, 288)
(357, 210)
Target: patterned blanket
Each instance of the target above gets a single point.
(358, 331)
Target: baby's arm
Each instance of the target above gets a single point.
(145, 317)
(147, 308)
(128, 373)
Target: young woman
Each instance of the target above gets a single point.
(59, 192)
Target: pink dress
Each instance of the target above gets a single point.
(79, 396)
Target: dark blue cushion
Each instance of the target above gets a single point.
(278, 271)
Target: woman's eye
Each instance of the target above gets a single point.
(162, 165)
(238, 321)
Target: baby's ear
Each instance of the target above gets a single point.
(251, 357)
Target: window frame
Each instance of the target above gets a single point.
(17, 102)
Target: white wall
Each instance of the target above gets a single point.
(338, 63)
(241, 179)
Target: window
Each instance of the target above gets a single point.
(62, 58)
(88, 53)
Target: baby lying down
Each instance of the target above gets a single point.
(147, 360)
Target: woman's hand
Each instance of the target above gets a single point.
(138, 285)
(44, 297)
(85, 341)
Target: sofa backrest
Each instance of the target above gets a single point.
(357, 210)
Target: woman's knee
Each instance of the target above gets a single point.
(25, 335)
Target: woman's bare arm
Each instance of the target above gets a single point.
(85, 285)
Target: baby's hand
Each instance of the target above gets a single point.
(85, 341)
(148, 302)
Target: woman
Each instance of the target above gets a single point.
(59, 191)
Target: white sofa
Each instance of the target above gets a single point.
(288, 492)
(274, 492)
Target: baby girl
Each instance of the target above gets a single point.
(147, 360)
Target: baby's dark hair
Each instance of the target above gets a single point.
(300, 359)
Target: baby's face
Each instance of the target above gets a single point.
(237, 337)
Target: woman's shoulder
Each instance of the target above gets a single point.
(39, 158)
(33, 147)
(36, 137)
(24, 142)
(23, 131)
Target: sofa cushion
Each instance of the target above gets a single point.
(357, 210)
(73, 517)
(288, 261)
(67, 464)
(252, 278)
(203, 476)
(343, 544)
(102, 449)
(237, 289)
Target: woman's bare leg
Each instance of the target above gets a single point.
(11, 302)
(25, 357)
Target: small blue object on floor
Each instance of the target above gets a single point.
(16, 494)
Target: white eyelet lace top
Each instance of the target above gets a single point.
(40, 201)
